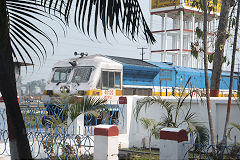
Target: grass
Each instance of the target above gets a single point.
(139, 154)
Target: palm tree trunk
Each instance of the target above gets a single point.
(219, 47)
(19, 145)
(231, 77)
(210, 120)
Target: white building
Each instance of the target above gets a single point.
(174, 24)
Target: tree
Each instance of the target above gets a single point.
(152, 128)
(173, 112)
(210, 119)
(231, 76)
(219, 47)
(19, 38)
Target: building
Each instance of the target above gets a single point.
(177, 21)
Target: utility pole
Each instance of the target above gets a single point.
(142, 51)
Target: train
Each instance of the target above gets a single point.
(112, 77)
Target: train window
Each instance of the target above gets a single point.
(61, 75)
(82, 74)
(111, 79)
(165, 74)
(105, 79)
(117, 79)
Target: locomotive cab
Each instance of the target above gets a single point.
(93, 75)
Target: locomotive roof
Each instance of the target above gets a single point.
(131, 61)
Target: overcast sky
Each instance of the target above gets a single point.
(77, 41)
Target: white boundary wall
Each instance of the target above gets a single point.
(134, 134)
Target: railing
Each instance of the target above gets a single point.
(61, 139)
(205, 150)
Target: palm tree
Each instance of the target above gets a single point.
(19, 39)
(152, 128)
(174, 115)
(72, 107)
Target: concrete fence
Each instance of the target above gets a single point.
(134, 135)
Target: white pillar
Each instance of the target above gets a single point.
(77, 126)
(193, 36)
(199, 58)
(165, 38)
(106, 142)
(122, 114)
(173, 144)
(181, 38)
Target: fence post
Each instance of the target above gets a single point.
(172, 144)
(106, 142)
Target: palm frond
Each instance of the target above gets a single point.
(148, 101)
(27, 22)
(234, 126)
(123, 15)
(25, 17)
(202, 135)
(146, 122)
(89, 105)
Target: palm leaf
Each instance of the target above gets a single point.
(88, 105)
(234, 125)
(114, 15)
(25, 17)
(148, 101)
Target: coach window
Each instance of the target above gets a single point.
(111, 79)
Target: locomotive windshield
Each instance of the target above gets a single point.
(82, 74)
(61, 75)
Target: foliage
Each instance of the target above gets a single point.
(152, 127)
(234, 126)
(138, 154)
(27, 16)
(72, 107)
(174, 115)
(22, 24)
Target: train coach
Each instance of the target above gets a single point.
(111, 77)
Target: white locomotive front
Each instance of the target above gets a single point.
(88, 75)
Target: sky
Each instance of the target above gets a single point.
(76, 41)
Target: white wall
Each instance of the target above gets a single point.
(135, 133)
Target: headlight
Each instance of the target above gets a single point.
(65, 89)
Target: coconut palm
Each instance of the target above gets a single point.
(20, 25)
(174, 115)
